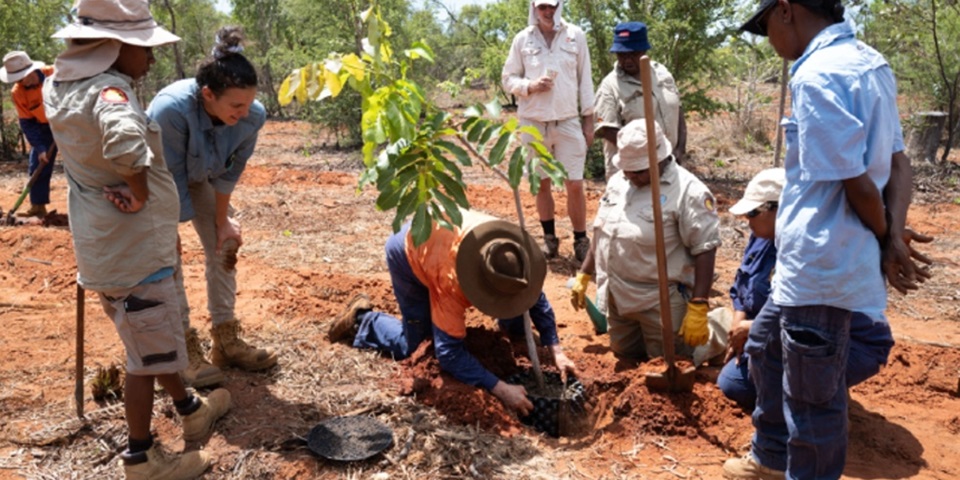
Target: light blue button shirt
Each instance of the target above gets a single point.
(195, 149)
(845, 123)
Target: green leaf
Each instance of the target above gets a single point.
(496, 153)
(473, 112)
(462, 156)
(515, 168)
(474, 134)
(453, 188)
(493, 108)
(450, 207)
(389, 198)
(422, 225)
(492, 130)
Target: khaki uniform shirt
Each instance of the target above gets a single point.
(626, 256)
(568, 56)
(619, 101)
(103, 133)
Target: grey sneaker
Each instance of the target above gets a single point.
(551, 245)
(580, 248)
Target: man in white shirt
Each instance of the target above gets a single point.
(548, 69)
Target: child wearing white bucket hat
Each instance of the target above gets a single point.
(123, 209)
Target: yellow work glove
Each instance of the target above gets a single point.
(578, 294)
(694, 328)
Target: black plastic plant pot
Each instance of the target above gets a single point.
(558, 409)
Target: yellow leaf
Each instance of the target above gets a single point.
(354, 66)
(302, 86)
(286, 94)
(332, 82)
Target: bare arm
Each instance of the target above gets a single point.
(865, 199)
(898, 256)
(703, 273)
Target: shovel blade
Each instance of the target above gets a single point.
(673, 380)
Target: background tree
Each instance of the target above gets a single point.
(26, 26)
(919, 39)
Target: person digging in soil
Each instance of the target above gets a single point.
(123, 217)
(870, 336)
(487, 263)
(210, 125)
(27, 77)
(625, 263)
(839, 230)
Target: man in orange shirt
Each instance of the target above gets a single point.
(485, 262)
(27, 77)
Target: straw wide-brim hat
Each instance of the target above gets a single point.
(17, 65)
(500, 269)
(129, 21)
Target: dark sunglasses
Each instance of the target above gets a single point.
(762, 21)
(546, 7)
(762, 208)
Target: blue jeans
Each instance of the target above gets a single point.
(870, 344)
(40, 191)
(798, 362)
(383, 331)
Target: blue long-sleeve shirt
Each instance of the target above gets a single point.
(195, 149)
(751, 286)
(455, 359)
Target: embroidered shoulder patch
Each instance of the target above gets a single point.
(113, 95)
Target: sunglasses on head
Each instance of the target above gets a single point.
(762, 208)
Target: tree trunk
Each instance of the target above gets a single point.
(4, 146)
(178, 58)
(925, 136)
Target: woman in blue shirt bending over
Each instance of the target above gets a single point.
(210, 125)
(870, 338)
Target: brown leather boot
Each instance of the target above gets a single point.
(35, 211)
(158, 464)
(199, 424)
(230, 350)
(345, 325)
(199, 373)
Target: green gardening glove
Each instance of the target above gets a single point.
(694, 329)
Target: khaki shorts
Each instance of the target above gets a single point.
(147, 318)
(564, 139)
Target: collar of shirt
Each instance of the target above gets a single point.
(826, 37)
(626, 76)
(206, 123)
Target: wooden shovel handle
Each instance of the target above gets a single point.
(646, 79)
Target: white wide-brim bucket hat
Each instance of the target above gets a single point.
(129, 21)
(16, 65)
